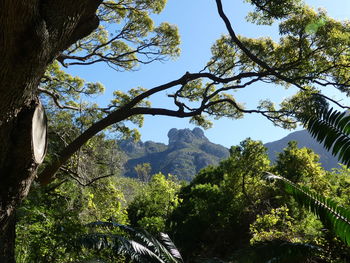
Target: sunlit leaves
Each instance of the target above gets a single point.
(335, 217)
(150, 209)
(313, 27)
(277, 224)
(299, 164)
(224, 57)
(227, 107)
(266, 11)
(127, 133)
(168, 38)
(156, 6)
(66, 86)
(126, 55)
(60, 90)
(323, 46)
(218, 203)
(313, 49)
(52, 219)
(304, 102)
(126, 38)
(122, 98)
(201, 120)
(194, 90)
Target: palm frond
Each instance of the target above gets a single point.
(168, 243)
(331, 128)
(138, 244)
(140, 253)
(335, 217)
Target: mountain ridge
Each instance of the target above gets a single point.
(188, 151)
(304, 139)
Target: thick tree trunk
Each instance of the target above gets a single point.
(7, 242)
(17, 173)
(32, 34)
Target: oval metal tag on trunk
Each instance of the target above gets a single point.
(39, 133)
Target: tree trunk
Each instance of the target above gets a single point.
(18, 171)
(7, 242)
(32, 34)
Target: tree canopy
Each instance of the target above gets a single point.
(40, 39)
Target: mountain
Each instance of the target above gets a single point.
(187, 152)
(304, 139)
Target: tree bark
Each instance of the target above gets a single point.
(7, 242)
(32, 34)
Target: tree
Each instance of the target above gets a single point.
(50, 221)
(217, 207)
(151, 208)
(331, 128)
(334, 216)
(36, 36)
(228, 211)
(143, 171)
(296, 164)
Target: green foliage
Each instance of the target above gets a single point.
(126, 38)
(304, 57)
(229, 209)
(225, 211)
(266, 11)
(278, 224)
(338, 185)
(333, 216)
(143, 171)
(217, 209)
(219, 204)
(136, 244)
(132, 23)
(331, 128)
(151, 208)
(296, 164)
(50, 220)
(274, 225)
(46, 229)
(305, 102)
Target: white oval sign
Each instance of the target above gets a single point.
(39, 134)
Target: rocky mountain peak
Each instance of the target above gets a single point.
(185, 136)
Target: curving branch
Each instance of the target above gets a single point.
(261, 63)
(55, 97)
(75, 176)
(207, 103)
(130, 109)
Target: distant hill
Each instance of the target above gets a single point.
(304, 139)
(187, 152)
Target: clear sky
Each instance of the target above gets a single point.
(199, 26)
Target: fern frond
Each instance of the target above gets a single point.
(335, 217)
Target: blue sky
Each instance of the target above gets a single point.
(199, 26)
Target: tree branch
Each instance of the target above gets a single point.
(130, 109)
(55, 98)
(75, 177)
(260, 62)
